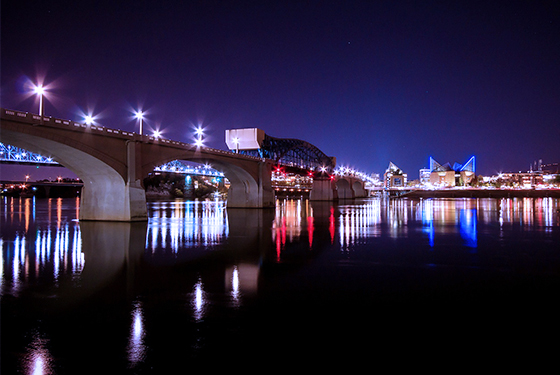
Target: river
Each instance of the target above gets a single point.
(200, 286)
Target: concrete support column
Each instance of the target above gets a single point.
(107, 197)
(110, 199)
(135, 191)
(266, 192)
(324, 189)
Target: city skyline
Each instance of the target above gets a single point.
(368, 83)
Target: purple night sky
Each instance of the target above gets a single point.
(366, 81)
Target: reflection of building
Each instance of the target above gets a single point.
(446, 175)
(394, 176)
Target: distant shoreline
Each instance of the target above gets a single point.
(483, 193)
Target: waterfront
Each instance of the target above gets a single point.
(203, 285)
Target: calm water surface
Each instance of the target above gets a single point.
(199, 286)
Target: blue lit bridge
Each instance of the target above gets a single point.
(12, 154)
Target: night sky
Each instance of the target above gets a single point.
(366, 81)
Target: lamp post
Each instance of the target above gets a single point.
(236, 141)
(39, 90)
(140, 116)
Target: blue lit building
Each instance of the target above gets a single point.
(445, 175)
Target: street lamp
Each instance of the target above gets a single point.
(40, 90)
(236, 141)
(140, 116)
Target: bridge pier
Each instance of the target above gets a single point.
(247, 192)
(113, 201)
(107, 197)
(324, 189)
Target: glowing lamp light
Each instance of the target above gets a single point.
(88, 119)
(140, 116)
(198, 140)
(157, 133)
(40, 90)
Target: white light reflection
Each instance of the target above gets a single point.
(185, 224)
(18, 263)
(44, 251)
(359, 222)
(38, 360)
(235, 284)
(136, 346)
(198, 301)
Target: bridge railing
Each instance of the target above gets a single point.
(37, 120)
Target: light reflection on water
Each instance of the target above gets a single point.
(183, 224)
(43, 249)
(38, 360)
(136, 345)
(35, 249)
(42, 243)
(198, 300)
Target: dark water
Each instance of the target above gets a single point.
(398, 282)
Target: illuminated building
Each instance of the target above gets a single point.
(394, 176)
(521, 179)
(425, 176)
(445, 175)
(551, 168)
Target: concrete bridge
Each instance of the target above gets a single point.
(112, 164)
(337, 188)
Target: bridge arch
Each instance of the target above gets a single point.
(344, 189)
(105, 192)
(248, 188)
(358, 188)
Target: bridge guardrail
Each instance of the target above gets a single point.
(35, 119)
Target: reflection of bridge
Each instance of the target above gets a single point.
(112, 163)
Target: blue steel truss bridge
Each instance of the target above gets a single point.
(14, 155)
